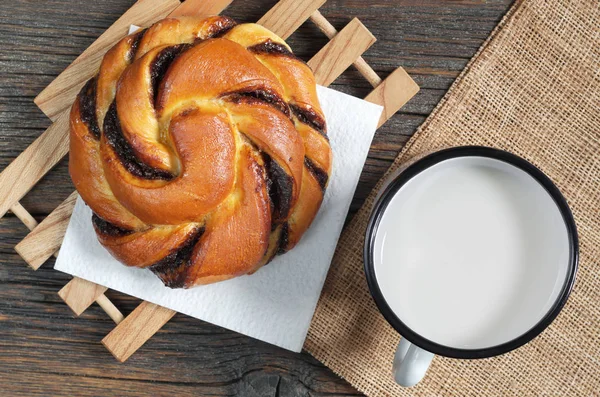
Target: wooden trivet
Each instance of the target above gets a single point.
(344, 49)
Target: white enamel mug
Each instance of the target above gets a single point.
(470, 252)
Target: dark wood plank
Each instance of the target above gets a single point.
(44, 350)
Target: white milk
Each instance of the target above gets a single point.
(471, 253)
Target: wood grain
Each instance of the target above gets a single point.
(60, 94)
(136, 329)
(397, 89)
(361, 65)
(110, 309)
(79, 294)
(200, 7)
(44, 241)
(25, 217)
(345, 47)
(35, 161)
(287, 16)
(46, 238)
(44, 349)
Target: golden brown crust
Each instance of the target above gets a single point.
(201, 148)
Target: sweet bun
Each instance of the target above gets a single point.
(201, 149)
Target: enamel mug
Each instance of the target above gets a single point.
(470, 252)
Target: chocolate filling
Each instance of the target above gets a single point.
(116, 139)
(164, 59)
(283, 239)
(311, 118)
(273, 48)
(87, 106)
(265, 96)
(160, 65)
(106, 228)
(280, 186)
(319, 174)
(220, 27)
(171, 269)
(135, 44)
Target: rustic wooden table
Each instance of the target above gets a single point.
(44, 349)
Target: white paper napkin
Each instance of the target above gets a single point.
(276, 304)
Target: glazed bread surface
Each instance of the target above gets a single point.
(201, 149)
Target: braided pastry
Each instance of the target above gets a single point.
(201, 149)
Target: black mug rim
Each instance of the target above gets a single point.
(420, 166)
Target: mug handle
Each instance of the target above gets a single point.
(410, 363)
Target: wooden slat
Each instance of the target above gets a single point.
(200, 7)
(287, 15)
(136, 329)
(60, 93)
(33, 163)
(361, 65)
(393, 93)
(23, 215)
(79, 294)
(46, 238)
(341, 52)
(110, 309)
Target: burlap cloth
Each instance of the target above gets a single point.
(532, 89)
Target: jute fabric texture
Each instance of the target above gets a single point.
(532, 89)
